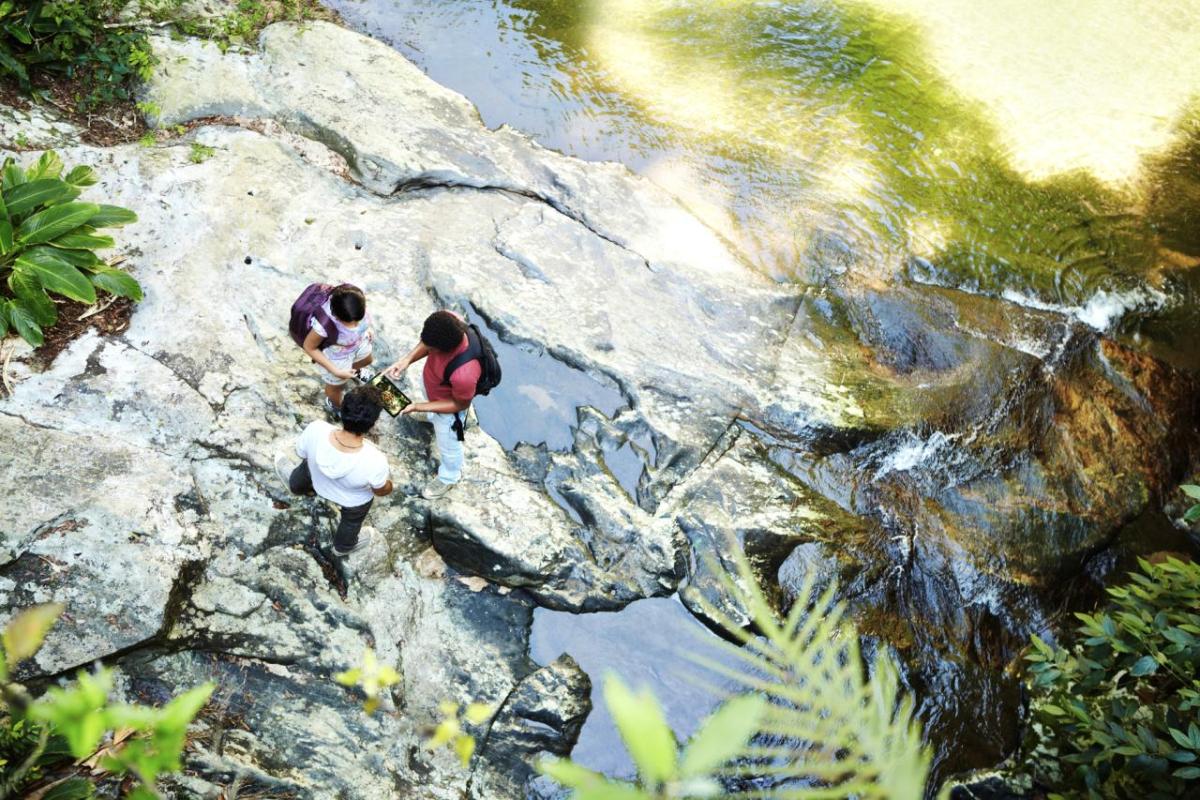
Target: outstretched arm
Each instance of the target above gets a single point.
(437, 406)
(418, 352)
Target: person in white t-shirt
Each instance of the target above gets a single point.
(343, 467)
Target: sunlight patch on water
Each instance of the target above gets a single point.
(1082, 84)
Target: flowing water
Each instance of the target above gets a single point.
(1019, 148)
(1044, 153)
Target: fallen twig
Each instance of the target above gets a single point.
(8, 351)
(96, 309)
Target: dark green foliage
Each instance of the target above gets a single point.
(77, 40)
(1117, 715)
(47, 244)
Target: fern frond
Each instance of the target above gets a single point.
(830, 731)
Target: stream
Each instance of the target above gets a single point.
(1042, 157)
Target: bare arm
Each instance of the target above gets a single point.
(312, 346)
(383, 491)
(418, 352)
(438, 406)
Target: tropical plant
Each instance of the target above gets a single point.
(452, 730)
(48, 243)
(79, 724)
(371, 676)
(78, 39)
(1193, 513)
(810, 720)
(1115, 713)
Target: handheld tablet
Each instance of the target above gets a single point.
(394, 400)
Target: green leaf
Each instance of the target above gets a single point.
(464, 746)
(26, 631)
(77, 712)
(1180, 737)
(29, 292)
(81, 176)
(1146, 665)
(70, 789)
(13, 175)
(178, 713)
(42, 192)
(644, 730)
(112, 217)
(83, 259)
(478, 713)
(350, 677)
(22, 320)
(723, 736)
(6, 236)
(1192, 514)
(54, 222)
(56, 275)
(588, 785)
(83, 238)
(1191, 490)
(4, 326)
(1187, 773)
(48, 166)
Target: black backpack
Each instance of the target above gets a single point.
(478, 349)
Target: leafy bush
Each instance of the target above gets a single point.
(1193, 513)
(48, 244)
(810, 721)
(76, 39)
(79, 724)
(1116, 714)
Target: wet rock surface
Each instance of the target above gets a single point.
(947, 458)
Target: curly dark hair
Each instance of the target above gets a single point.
(443, 331)
(360, 409)
(348, 303)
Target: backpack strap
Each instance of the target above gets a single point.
(473, 352)
(331, 332)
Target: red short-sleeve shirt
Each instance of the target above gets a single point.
(462, 382)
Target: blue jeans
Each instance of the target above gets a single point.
(449, 448)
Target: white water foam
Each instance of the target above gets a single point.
(1103, 310)
(914, 452)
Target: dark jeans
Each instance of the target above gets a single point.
(346, 535)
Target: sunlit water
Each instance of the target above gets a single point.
(1012, 145)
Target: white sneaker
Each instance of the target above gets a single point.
(366, 538)
(436, 488)
(332, 410)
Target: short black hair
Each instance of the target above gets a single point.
(443, 331)
(348, 303)
(360, 409)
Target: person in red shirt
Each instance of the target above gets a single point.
(443, 337)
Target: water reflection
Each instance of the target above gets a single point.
(644, 644)
(891, 130)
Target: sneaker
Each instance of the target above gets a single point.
(435, 489)
(366, 538)
(332, 410)
(366, 374)
(283, 470)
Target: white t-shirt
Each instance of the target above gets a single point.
(344, 478)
